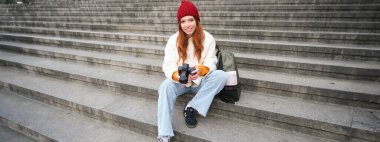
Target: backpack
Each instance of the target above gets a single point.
(226, 62)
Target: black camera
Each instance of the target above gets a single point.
(184, 72)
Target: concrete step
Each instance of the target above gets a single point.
(9, 135)
(136, 113)
(47, 123)
(251, 104)
(217, 2)
(138, 50)
(338, 52)
(357, 70)
(343, 52)
(211, 14)
(291, 36)
(302, 49)
(94, 35)
(211, 23)
(313, 88)
(358, 27)
(204, 8)
(364, 16)
(198, 3)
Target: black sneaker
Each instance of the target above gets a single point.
(190, 120)
(163, 139)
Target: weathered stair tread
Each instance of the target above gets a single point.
(217, 15)
(346, 116)
(73, 39)
(212, 128)
(365, 47)
(327, 83)
(121, 45)
(203, 9)
(255, 56)
(89, 54)
(154, 82)
(315, 82)
(293, 43)
(86, 70)
(169, 19)
(223, 2)
(308, 60)
(58, 124)
(309, 70)
(253, 32)
(214, 27)
(9, 135)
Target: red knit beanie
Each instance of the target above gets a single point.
(187, 8)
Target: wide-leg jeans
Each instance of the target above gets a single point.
(210, 85)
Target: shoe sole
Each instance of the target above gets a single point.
(191, 126)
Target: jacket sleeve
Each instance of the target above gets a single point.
(210, 59)
(171, 58)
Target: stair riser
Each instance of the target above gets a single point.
(303, 37)
(204, 8)
(319, 94)
(134, 125)
(328, 17)
(160, 40)
(280, 66)
(307, 126)
(324, 95)
(364, 100)
(255, 64)
(123, 50)
(306, 51)
(302, 51)
(211, 2)
(349, 98)
(311, 69)
(210, 26)
(209, 23)
(112, 64)
(25, 130)
(371, 16)
(261, 116)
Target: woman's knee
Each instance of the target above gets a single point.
(167, 84)
(167, 88)
(220, 75)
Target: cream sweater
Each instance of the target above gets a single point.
(171, 59)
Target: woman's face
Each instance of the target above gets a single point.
(188, 24)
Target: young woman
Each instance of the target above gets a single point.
(196, 47)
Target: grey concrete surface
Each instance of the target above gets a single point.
(212, 25)
(333, 120)
(339, 52)
(9, 135)
(296, 36)
(360, 87)
(59, 124)
(215, 8)
(348, 69)
(309, 69)
(230, 15)
(143, 111)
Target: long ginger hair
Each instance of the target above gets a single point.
(182, 42)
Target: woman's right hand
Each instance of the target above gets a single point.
(194, 74)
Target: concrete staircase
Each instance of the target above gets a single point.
(89, 70)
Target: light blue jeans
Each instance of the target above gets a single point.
(210, 85)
